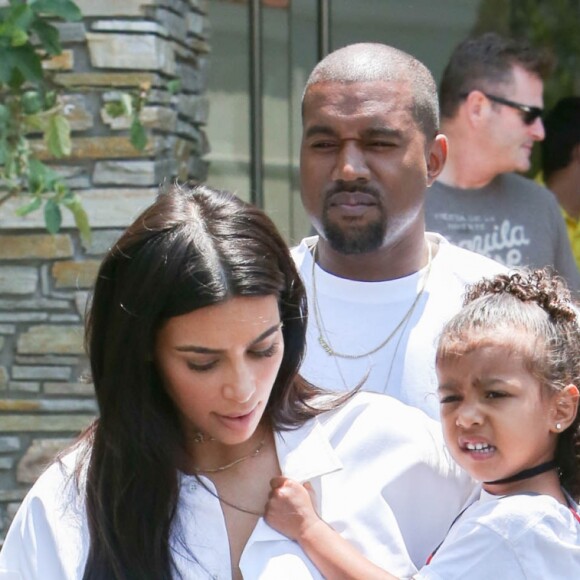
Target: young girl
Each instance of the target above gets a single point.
(508, 365)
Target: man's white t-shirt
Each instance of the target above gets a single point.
(357, 316)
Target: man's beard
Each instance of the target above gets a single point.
(354, 241)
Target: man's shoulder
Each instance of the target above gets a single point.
(380, 413)
(515, 184)
(465, 265)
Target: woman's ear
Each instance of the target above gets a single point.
(565, 408)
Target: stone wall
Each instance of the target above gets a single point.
(45, 280)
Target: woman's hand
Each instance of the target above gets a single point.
(290, 508)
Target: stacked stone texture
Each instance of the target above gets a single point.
(45, 280)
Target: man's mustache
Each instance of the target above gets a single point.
(350, 187)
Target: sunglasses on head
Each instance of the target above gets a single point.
(529, 114)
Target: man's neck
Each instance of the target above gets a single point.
(466, 166)
(387, 263)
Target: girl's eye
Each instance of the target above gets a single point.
(495, 395)
(267, 353)
(449, 399)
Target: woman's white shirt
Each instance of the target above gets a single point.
(383, 480)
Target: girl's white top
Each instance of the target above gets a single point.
(516, 537)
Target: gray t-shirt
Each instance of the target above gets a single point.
(512, 220)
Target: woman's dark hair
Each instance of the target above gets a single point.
(537, 303)
(193, 247)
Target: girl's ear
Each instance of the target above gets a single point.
(565, 408)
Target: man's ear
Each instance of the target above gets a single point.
(476, 108)
(436, 157)
(564, 409)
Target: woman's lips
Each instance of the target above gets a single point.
(237, 421)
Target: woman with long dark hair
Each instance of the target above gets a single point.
(195, 335)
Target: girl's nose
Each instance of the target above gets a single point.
(468, 415)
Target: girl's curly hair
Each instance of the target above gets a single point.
(539, 304)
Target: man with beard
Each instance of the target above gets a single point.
(491, 107)
(379, 288)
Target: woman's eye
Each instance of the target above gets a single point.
(201, 367)
(266, 353)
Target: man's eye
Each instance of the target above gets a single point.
(323, 145)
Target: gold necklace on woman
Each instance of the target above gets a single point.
(232, 463)
(324, 342)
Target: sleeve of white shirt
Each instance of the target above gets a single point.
(477, 554)
(47, 539)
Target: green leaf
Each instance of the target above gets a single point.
(19, 37)
(4, 114)
(50, 99)
(64, 9)
(58, 136)
(138, 135)
(27, 63)
(52, 216)
(31, 102)
(127, 103)
(48, 36)
(80, 216)
(5, 65)
(41, 177)
(114, 109)
(20, 15)
(29, 207)
(173, 86)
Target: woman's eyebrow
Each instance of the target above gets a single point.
(206, 350)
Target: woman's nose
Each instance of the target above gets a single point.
(240, 385)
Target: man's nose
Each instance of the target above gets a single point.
(351, 164)
(537, 130)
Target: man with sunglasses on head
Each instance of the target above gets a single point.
(491, 111)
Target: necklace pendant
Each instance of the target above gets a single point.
(325, 345)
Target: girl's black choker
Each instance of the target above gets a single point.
(526, 473)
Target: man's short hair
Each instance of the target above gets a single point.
(482, 62)
(370, 62)
(562, 125)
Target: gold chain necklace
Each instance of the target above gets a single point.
(235, 462)
(325, 344)
(229, 503)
